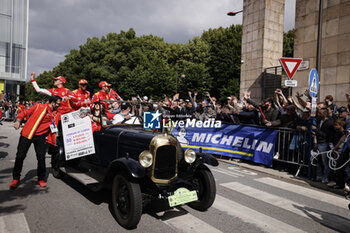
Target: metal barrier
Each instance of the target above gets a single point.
(293, 146)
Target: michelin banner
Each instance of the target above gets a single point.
(239, 141)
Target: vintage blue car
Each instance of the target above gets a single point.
(139, 165)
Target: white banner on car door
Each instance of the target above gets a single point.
(77, 135)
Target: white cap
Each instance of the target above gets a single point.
(145, 98)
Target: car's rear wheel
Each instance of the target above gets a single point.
(204, 182)
(127, 201)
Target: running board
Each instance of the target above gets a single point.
(79, 176)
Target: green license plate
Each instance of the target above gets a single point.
(182, 196)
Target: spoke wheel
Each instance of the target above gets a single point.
(127, 201)
(204, 183)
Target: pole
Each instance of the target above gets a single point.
(319, 40)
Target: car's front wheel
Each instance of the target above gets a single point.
(127, 201)
(204, 182)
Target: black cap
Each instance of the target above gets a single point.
(291, 107)
(268, 100)
(342, 109)
(125, 106)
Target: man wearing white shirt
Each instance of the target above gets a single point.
(124, 117)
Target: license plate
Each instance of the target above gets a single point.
(182, 196)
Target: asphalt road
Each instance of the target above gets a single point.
(246, 201)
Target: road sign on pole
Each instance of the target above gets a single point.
(313, 83)
(313, 88)
(290, 65)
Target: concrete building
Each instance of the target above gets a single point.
(334, 69)
(262, 43)
(13, 45)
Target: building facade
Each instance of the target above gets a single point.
(262, 42)
(262, 46)
(13, 45)
(334, 70)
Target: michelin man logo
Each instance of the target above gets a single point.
(151, 120)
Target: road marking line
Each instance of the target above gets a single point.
(271, 199)
(310, 193)
(14, 223)
(189, 223)
(226, 172)
(262, 221)
(244, 171)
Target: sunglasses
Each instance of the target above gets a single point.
(83, 84)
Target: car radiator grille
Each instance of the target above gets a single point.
(165, 164)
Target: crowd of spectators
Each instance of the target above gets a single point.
(329, 127)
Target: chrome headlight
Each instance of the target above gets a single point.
(146, 159)
(190, 156)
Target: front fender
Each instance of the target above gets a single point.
(129, 166)
(208, 158)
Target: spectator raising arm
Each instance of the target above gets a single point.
(300, 100)
(277, 99)
(37, 88)
(292, 100)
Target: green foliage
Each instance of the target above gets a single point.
(225, 58)
(288, 43)
(147, 65)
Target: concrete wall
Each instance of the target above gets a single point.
(335, 46)
(262, 41)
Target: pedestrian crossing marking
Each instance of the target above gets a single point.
(244, 171)
(310, 193)
(14, 223)
(226, 172)
(270, 199)
(189, 223)
(248, 215)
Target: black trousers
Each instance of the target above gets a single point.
(341, 174)
(40, 147)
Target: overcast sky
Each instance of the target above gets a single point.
(55, 27)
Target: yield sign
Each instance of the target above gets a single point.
(290, 65)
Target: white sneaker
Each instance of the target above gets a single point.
(347, 188)
(331, 184)
(277, 155)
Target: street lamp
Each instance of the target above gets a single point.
(232, 13)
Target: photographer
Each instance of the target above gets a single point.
(124, 117)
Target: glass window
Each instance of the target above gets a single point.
(19, 22)
(5, 7)
(5, 28)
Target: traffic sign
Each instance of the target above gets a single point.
(304, 65)
(290, 65)
(313, 82)
(291, 83)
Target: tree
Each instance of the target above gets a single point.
(288, 43)
(224, 62)
(147, 65)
